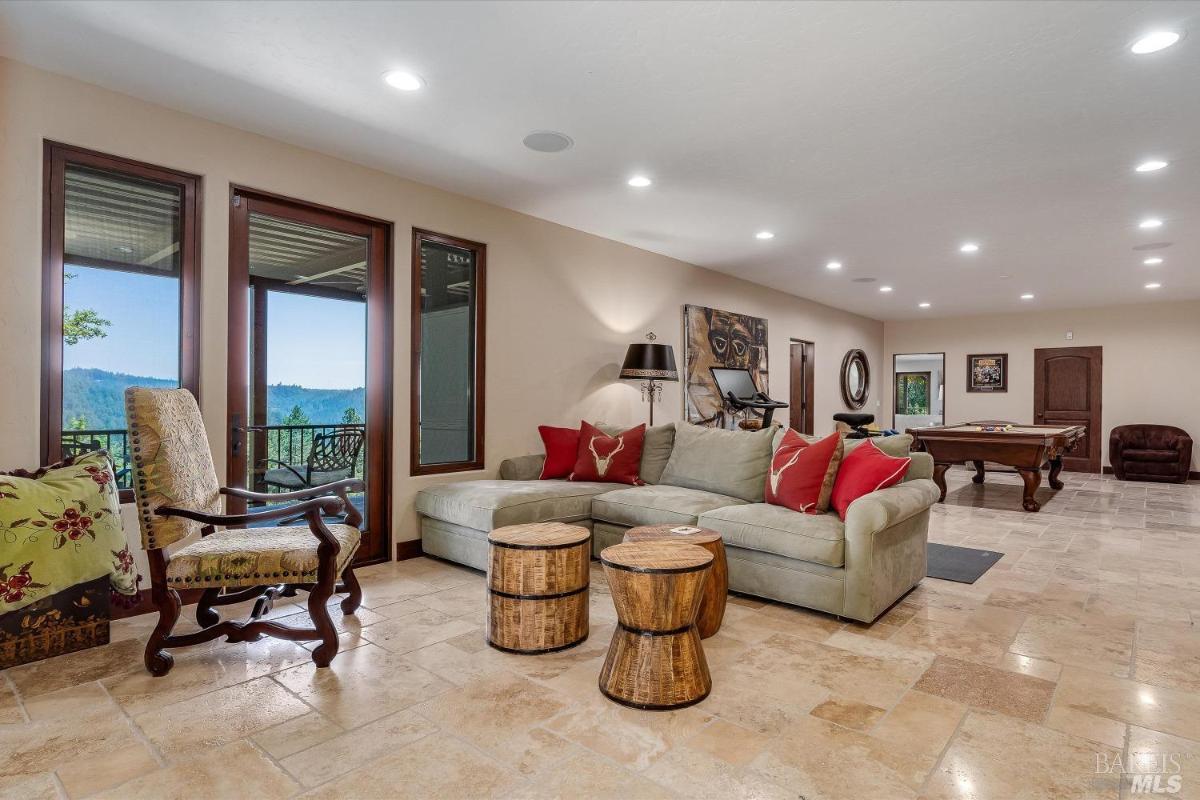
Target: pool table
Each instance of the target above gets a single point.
(1024, 447)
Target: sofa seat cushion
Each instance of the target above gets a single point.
(817, 538)
(657, 505)
(1161, 456)
(487, 505)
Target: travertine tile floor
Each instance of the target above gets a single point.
(1074, 659)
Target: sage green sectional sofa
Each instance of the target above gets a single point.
(713, 479)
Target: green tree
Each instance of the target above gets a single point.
(296, 417)
(82, 324)
(78, 423)
(351, 417)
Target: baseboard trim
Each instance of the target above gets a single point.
(409, 549)
(1194, 475)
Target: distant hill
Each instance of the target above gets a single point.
(98, 397)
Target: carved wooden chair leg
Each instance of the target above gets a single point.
(351, 603)
(158, 661)
(318, 610)
(206, 617)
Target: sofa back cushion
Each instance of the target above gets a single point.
(656, 448)
(734, 463)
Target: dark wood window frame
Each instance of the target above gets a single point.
(55, 159)
(380, 234)
(479, 249)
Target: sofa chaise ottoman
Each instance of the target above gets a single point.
(714, 479)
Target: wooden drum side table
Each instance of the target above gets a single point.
(716, 585)
(538, 587)
(655, 660)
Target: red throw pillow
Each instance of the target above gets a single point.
(802, 474)
(562, 448)
(867, 469)
(612, 459)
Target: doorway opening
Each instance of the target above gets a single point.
(918, 390)
(310, 354)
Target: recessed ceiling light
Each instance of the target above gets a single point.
(1153, 42)
(834, 265)
(922, 305)
(968, 247)
(1153, 165)
(548, 141)
(639, 181)
(124, 248)
(1152, 262)
(1153, 285)
(764, 235)
(1152, 222)
(404, 81)
(1027, 296)
(885, 288)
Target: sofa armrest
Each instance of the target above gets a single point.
(920, 466)
(522, 468)
(887, 533)
(871, 513)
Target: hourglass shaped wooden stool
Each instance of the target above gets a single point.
(655, 661)
(716, 585)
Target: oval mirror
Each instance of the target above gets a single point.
(856, 379)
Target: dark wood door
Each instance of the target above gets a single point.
(1067, 384)
(317, 262)
(800, 399)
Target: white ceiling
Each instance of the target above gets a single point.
(879, 134)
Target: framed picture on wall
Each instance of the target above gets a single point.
(987, 373)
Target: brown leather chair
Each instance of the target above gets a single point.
(1150, 453)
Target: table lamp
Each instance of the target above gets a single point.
(650, 363)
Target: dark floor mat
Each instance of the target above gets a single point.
(959, 564)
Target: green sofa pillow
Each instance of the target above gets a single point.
(61, 526)
(732, 463)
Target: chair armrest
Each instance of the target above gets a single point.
(345, 485)
(340, 489)
(310, 509)
(522, 468)
(879, 510)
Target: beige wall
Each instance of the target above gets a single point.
(1151, 358)
(562, 305)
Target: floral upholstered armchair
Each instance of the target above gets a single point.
(178, 497)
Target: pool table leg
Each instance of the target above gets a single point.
(939, 478)
(1033, 479)
(978, 476)
(1055, 469)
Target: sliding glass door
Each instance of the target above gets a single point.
(309, 373)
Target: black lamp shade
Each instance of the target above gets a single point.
(649, 361)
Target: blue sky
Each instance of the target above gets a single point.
(316, 342)
(311, 341)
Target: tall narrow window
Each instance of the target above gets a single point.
(448, 354)
(119, 295)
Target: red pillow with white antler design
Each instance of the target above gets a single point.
(611, 459)
(802, 473)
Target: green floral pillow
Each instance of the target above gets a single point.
(61, 526)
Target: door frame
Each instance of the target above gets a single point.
(1095, 393)
(379, 235)
(808, 359)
